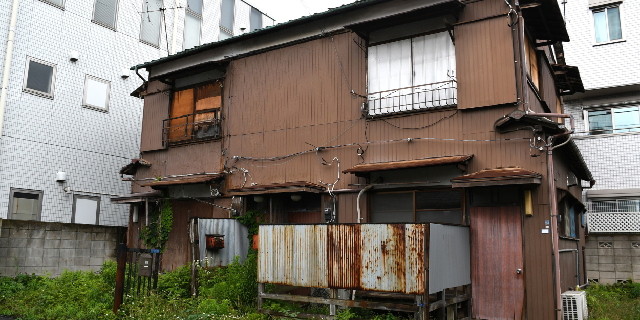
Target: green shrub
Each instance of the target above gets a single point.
(177, 283)
(236, 283)
(215, 307)
(614, 302)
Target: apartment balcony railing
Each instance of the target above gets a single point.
(191, 128)
(422, 97)
(620, 216)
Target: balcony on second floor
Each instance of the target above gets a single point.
(192, 128)
(616, 216)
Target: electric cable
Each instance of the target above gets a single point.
(423, 127)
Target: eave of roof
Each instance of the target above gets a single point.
(287, 187)
(370, 167)
(497, 176)
(260, 32)
(189, 180)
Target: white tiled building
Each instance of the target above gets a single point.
(68, 105)
(605, 45)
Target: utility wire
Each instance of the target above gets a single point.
(61, 146)
(423, 127)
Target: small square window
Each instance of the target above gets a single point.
(105, 13)
(39, 77)
(55, 3)
(86, 209)
(96, 93)
(25, 204)
(607, 24)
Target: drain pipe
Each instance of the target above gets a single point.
(7, 62)
(555, 239)
(358, 201)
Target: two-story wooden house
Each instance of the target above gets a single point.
(380, 115)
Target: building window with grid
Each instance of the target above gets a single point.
(192, 24)
(39, 78)
(613, 120)
(607, 25)
(151, 19)
(96, 93)
(25, 204)
(423, 206)
(105, 13)
(226, 20)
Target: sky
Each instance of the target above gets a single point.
(285, 10)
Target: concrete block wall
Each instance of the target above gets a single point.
(50, 248)
(619, 262)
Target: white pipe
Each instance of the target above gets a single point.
(175, 28)
(7, 62)
(358, 200)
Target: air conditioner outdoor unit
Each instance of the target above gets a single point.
(574, 305)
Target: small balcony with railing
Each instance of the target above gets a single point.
(615, 216)
(192, 128)
(422, 97)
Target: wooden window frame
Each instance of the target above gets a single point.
(414, 191)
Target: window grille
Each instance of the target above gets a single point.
(105, 12)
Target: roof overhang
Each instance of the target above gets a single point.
(364, 169)
(497, 177)
(131, 168)
(544, 20)
(186, 180)
(612, 194)
(287, 187)
(568, 80)
(137, 197)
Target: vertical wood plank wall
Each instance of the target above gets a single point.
(156, 109)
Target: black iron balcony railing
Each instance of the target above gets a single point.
(190, 128)
(421, 97)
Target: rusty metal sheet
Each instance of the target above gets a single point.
(504, 173)
(364, 168)
(188, 180)
(374, 257)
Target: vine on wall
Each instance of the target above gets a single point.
(252, 219)
(160, 224)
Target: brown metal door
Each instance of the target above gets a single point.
(496, 263)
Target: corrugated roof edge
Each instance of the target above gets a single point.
(259, 32)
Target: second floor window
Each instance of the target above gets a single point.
(614, 120)
(195, 114)
(39, 77)
(607, 24)
(150, 26)
(226, 19)
(412, 74)
(104, 13)
(192, 23)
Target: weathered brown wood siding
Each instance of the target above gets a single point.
(547, 84)
(156, 109)
(484, 64)
(474, 10)
(568, 274)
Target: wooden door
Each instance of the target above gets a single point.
(496, 257)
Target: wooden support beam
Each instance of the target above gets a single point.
(260, 292)
(450, 301)
(344, 303)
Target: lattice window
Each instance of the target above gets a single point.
(605, 244)
(613, 222)
(635, 245)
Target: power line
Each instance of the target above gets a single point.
(61, 146)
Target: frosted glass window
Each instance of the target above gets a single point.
(226, 21)
(150, 26)
(96, 93)
(626, 119)
(24, 204)
(192, 25)
(255, 19)
(39, 78)
(86, 210)
(195, 6)
(607, 24)
(104, 12)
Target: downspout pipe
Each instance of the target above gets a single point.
(7, 62)
(555, 238)
(358, 201)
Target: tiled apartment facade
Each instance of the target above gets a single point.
(606, 54)
(42, 136)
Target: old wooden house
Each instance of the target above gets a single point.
(358, 133)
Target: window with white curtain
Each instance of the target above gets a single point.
(255, 19)
(104, 13)
(412, 74)
(151, 19)
(226, 19)
(192, 24)
(96, 93)
(86, 209)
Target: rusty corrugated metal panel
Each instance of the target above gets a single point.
(414, 239)
(384, 257)
(156, 109)
(484, 64)
(236, 242)
(362, 168)
(496, 254)
(345, 257)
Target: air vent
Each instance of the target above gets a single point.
(574, 305)
(605, 244)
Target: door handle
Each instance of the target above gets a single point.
(518, 271)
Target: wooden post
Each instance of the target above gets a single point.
(425, 303)
(332, 307)
(192, 244)
(443, 310)
(419, 315)
(260, 292)
(122, 256)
